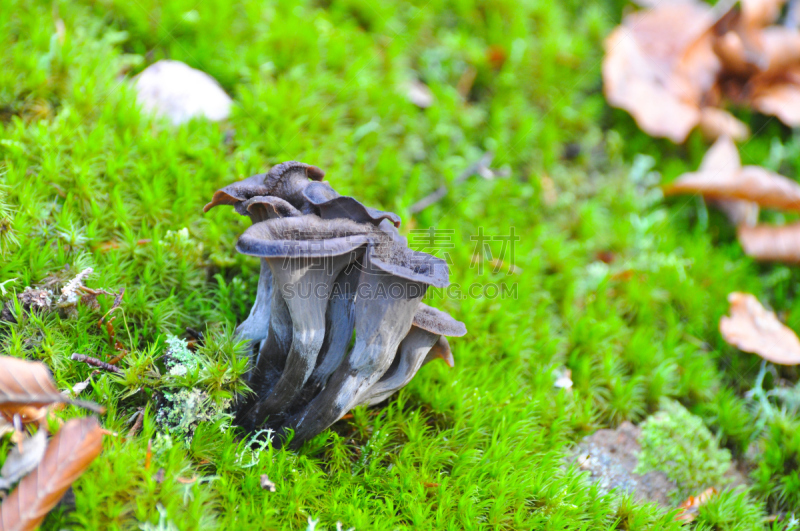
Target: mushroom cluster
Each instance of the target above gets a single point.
(330, 268)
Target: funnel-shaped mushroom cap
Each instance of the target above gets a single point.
(287, 180)
(263, 207)
(441, 350)
(438, 322)
(302, 236)
(394, 258)
(389, 228)
(239, 191)
(331, 205)
(423, 343)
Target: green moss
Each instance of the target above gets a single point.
(89, 181)
(678, 443)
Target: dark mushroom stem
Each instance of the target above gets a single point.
(424, 343)
(389, 294)
(339, 326)
(410, 355)
(304, 271)
(256, 326)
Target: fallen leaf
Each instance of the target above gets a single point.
(564, 380)
(69, 454)
(26, 414)
(754, 329)
(760, 13)
(721, 176)
(771, 243)
(778, 95)
(23, 458)
(28, 383)
(496, 55)
(606, 256)
(690, 57)
(665, 55)
(688, 509)
(419, 94)
(266, 483)
(80, 387)
(716, 123)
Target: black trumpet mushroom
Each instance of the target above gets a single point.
(330, 266)
(425, 342)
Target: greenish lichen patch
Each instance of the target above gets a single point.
(678, 443)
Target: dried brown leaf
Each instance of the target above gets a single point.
(760, 13)
(69, 454)
(688, 509)
(752, 328)
(28, 383)
(721, 177)
(778, 95)
(771, 243)
(716, 123)
(659, 66)
(25, 414)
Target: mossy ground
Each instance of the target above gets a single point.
(90, 181)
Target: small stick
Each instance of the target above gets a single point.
(480, 167)
(94, 362)
(136, 425)
(91, 291)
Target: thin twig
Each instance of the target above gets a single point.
(481, 167)
(136, 425)
(94, 362)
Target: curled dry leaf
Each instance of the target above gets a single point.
(23, 458)
(721, 176)
(688, 509)
(69, 454)
(28, 383)
(752, 328)
(770, 243)
(716, 123)
(659, 66)
(689, 57)
(778, 95)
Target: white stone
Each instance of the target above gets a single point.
(179, 92)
